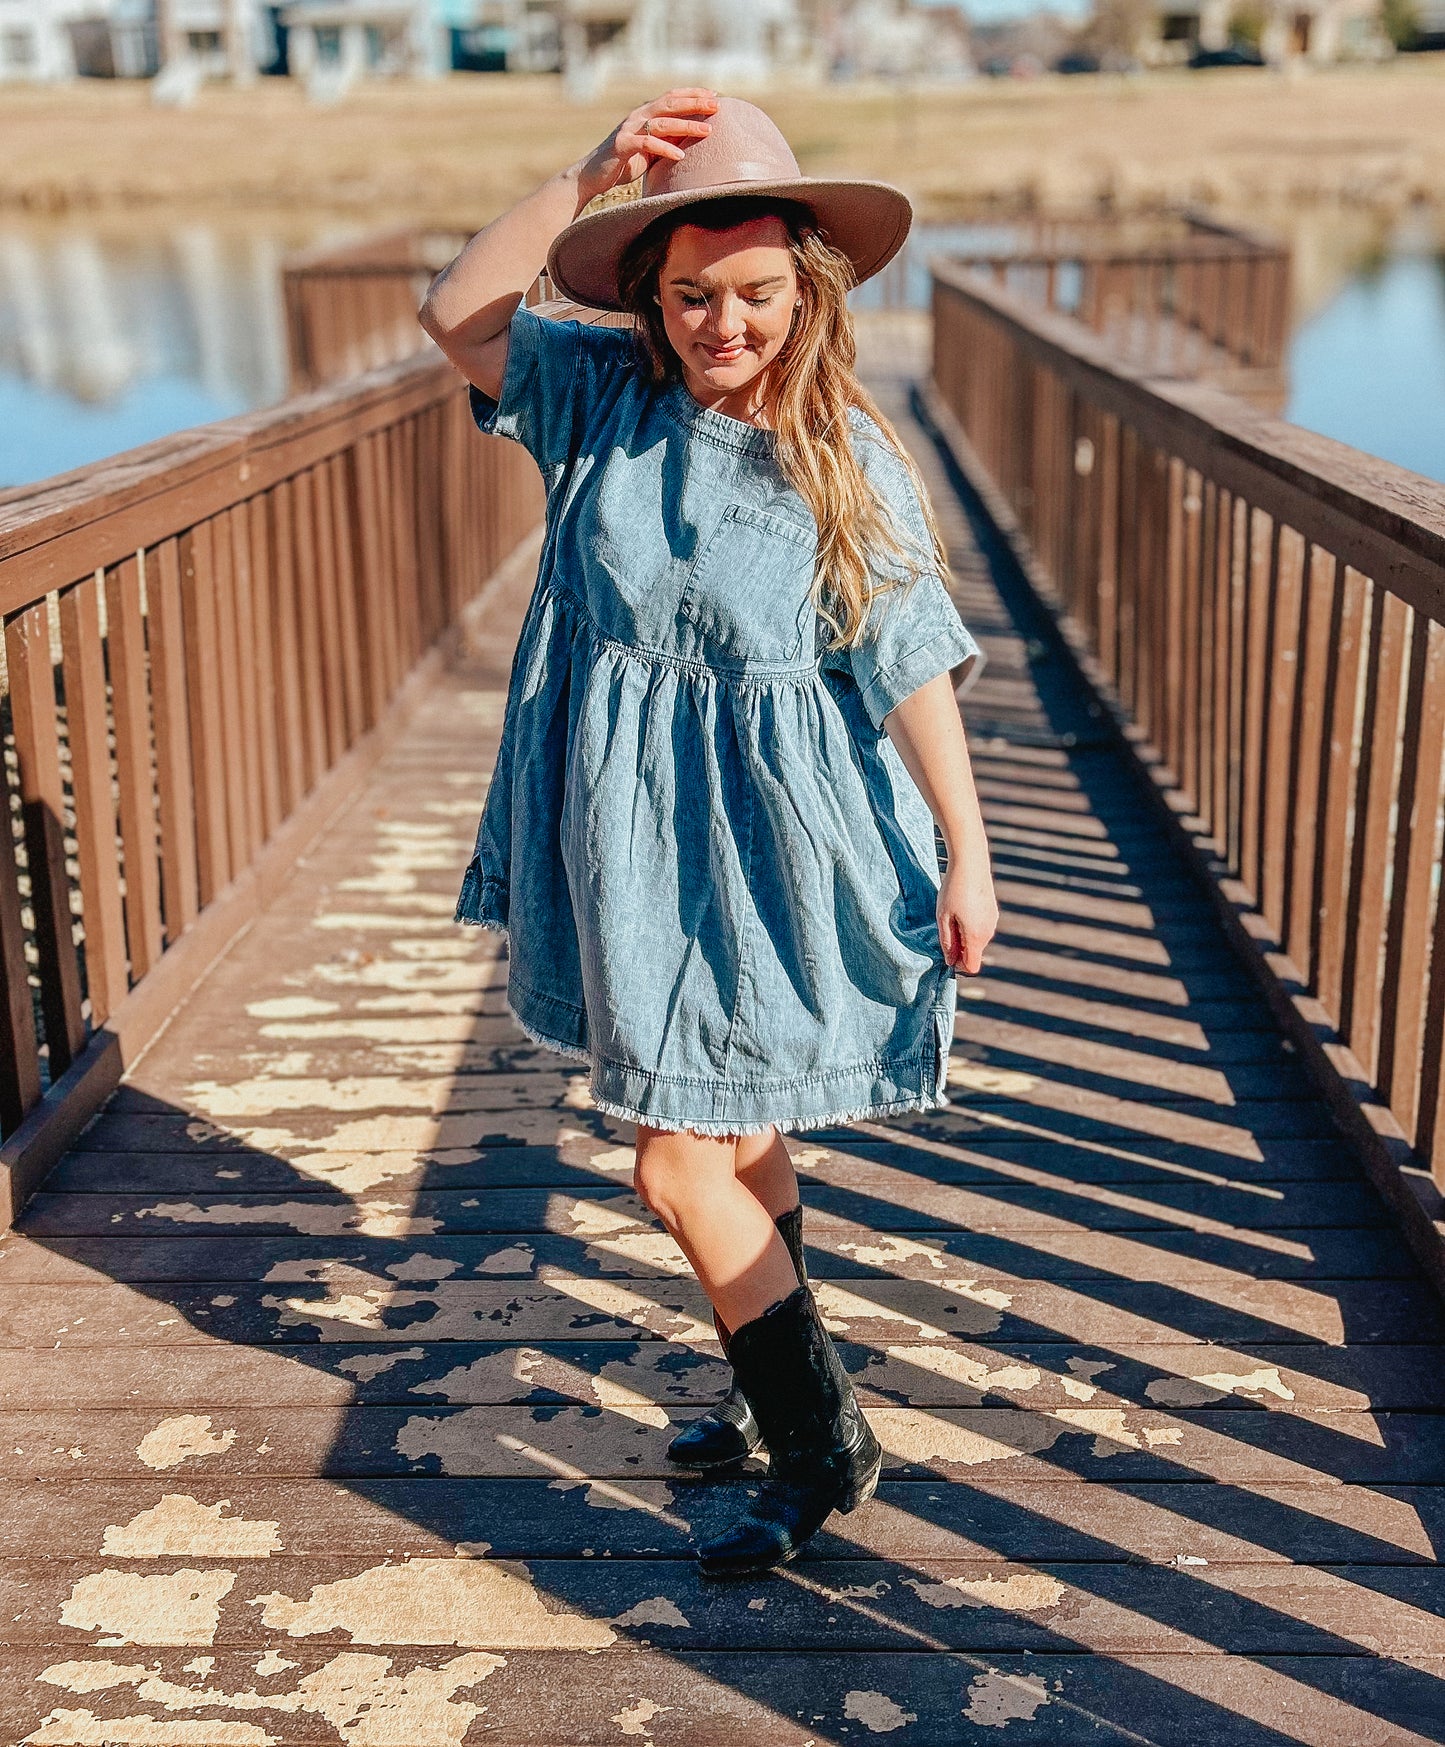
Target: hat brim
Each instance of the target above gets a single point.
(867, 221)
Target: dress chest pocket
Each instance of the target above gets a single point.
(749, 593)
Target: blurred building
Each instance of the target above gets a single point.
(330, 43)
(496, 36)
(715, 42)
(895, 39)
(216, 38)
(345, 39)
(56, 39)
(1023, 47)
(1283, 30)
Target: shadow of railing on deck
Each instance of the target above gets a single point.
(519, 1219)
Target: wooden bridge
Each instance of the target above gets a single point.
(339, 1357)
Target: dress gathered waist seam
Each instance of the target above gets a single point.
(645, 655)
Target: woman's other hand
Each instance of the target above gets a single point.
(967, 916)
(928, 732)
(663, 128)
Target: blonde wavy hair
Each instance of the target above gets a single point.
(863, 550)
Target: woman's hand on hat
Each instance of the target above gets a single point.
(663, 128)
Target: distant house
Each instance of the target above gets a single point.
(742, 42)
(895, 39)
(512, 36)
(355, 37)
(34, 40)
(43, 40)
(219, 38)
(1286, 30)
(717, 42)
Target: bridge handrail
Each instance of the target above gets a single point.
(1267, 608)
(353, 307)
(1225, 289)
(203, 639)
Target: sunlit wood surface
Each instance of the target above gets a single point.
(338, 1362)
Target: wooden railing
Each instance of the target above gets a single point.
(199, 636)
(1213, 302)
(353, 308)
(1265, 607)
(1179, 295)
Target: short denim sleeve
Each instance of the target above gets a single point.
(913, 631)
(551, 374)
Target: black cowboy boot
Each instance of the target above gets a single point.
(823, 1455)
(728, 1432)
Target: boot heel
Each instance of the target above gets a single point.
(863, 1488)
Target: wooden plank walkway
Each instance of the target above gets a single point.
(337, 1363)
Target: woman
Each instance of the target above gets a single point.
(730, 729)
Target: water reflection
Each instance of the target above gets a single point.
(114, 334)
(110, 338)
(1369, 368)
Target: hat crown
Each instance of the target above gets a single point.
(743, 145)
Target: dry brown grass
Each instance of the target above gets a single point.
(457, 151)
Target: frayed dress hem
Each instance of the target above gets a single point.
(483, 904)
(570, 1050)
(868, 1111)
(783, 1124)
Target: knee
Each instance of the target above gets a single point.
(659, 1183)
(670, 1174)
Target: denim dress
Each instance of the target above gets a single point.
(718, 879)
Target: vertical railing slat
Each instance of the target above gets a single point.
(246, 761)
(203, 699)
(1374, 809)
(130, 690)
(87, 722)
(1311, 723)
(19, 1046)
(1282, 671)
(175, 794)
(230, 655)
(292, 726)
(42, 799)
(1341, 705)
(1407, 931)
(308, 614)
(262, 635)
(348, 617)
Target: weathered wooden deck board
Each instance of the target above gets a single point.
(527, 1698)
(338, 1362)
(837, 1250)
(963, 1374)
(1169, 1523)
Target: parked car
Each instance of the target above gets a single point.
(1237, 54)
(1077, 61)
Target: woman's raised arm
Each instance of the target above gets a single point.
(470, 303)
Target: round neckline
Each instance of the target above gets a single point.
(717, 426)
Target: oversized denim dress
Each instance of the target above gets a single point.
(718, 879)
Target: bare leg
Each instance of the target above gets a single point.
(691, 1183)
(765, 1168)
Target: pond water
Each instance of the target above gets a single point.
(1369, 367)
(111, 335)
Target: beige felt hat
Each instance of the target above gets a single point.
(744, 153)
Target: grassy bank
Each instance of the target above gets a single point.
(456, 151)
